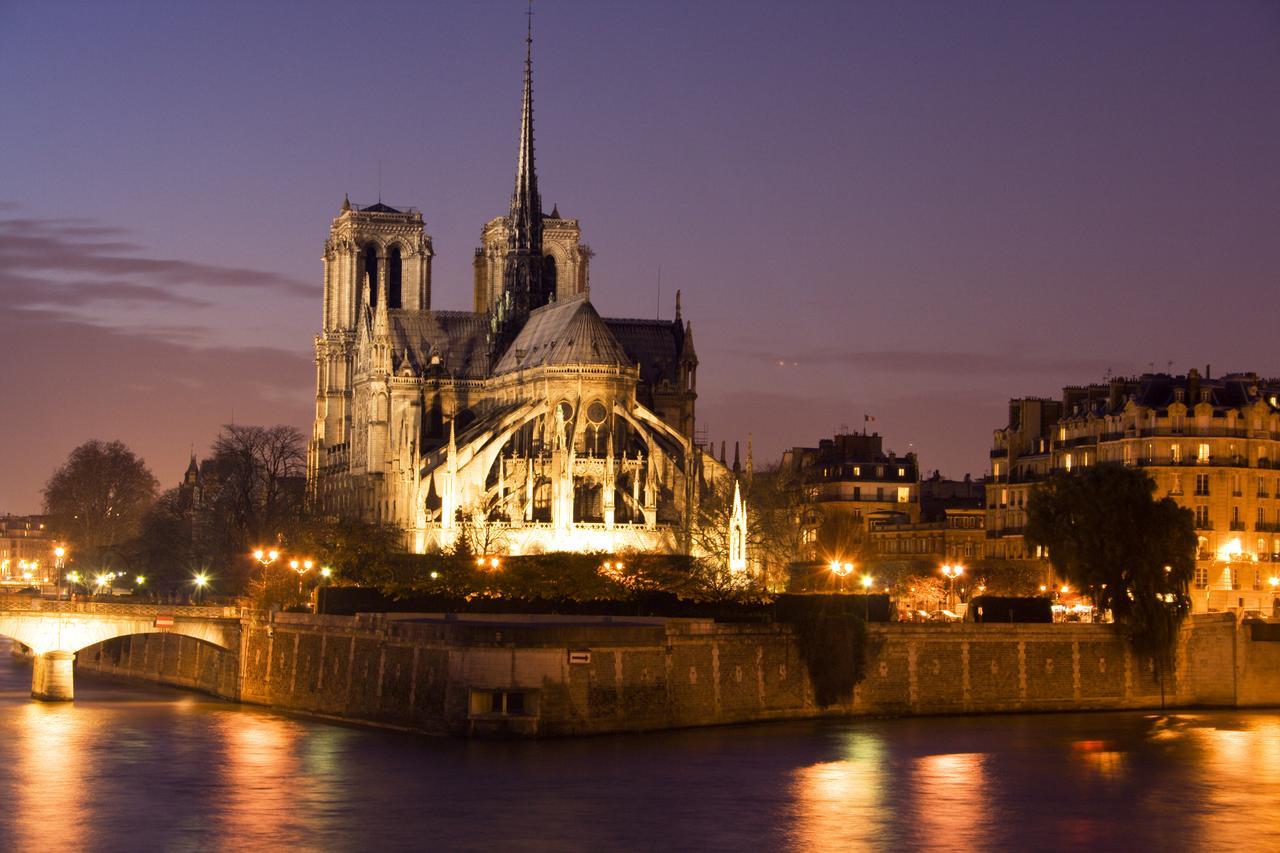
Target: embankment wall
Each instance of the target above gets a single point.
(539, 676)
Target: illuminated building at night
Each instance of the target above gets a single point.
(528, 424)
(851, 476)
(1211, 444)
(27, 556)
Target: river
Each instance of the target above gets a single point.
(147, 768)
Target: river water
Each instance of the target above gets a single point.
(142, 768)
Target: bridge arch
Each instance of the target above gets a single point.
(56, 630)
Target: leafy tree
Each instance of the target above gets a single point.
(97, 498)
(359, 552)
(1105, 533)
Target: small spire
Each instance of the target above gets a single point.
(555, 211)
(346, 203)
(737, 464)
(677, 306)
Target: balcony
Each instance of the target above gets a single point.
(999, 453)
(1237, 525)
(1204, 525)
(1267, 526)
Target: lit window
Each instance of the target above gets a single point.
(904, 494)
(1175, 453)
(1067, 461)
(902, 472)
(1202, 453)
(857, 471)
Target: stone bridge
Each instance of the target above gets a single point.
(56, 630)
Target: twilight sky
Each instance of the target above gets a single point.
(911, 210)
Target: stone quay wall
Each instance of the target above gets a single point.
(542, 675)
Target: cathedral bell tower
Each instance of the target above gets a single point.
(528, 278)
(373, 251)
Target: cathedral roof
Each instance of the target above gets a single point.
(379, 208)
(655, 344)
(457, 337)
(563, 333)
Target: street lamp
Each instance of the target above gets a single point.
(952, 573)
(266, 557)
(301, 567)
(841, 571)
(201, 580)
(59, 554)
(867, 580)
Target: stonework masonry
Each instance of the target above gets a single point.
(541, 676)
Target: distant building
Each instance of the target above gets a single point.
(958, 537)
(851, 476)
(27, 555)
(1211, 444)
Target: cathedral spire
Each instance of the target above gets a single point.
(526, 204)
(528, 281)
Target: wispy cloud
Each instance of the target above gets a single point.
(91, 261)
(935, 362)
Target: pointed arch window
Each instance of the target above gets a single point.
(394, 289)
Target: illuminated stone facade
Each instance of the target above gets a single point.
(851, 476)
(1211, 444)
(529, 424)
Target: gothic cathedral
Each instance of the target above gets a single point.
(529, 424)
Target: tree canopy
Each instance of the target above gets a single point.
(97, 498)
(1135, 555)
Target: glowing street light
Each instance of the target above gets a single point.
(201, 580)
(952, 572)
(266, 557)
(841, 571)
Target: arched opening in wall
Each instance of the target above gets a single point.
(549, 275)
(186, 660)
(588, 503)
(393, 278)
(369, 275)
(542, 501)
(462, 420)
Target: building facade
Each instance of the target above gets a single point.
(527, 424)
(1213, 445)
(850, 478)
(27, 552)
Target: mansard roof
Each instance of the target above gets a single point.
(457, 337)
(563, 333)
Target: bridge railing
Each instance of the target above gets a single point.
(29, 603)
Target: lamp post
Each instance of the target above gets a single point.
(867, 580)
(951, 573)
(841, 571)
(59, 555)
(301, 567)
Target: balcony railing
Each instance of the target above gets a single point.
(1204, 525)
(1238, 525)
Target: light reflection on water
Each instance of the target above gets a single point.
(135, 768)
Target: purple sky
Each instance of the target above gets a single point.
(912, 210)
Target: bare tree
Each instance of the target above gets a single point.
(98, 497)
(257, 476)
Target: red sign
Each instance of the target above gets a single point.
(164, 621)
